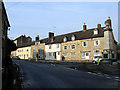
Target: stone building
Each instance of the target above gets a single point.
(85, 44)
(38, 49)
(21, 40)
(80, 45)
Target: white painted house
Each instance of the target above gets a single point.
(52, 48)
(53, 52)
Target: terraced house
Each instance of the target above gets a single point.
(53, 48)
(80, 45)
(87, 43)
(38, 49)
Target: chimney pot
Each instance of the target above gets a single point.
(99, 26)
(84, 27)
(37, 38)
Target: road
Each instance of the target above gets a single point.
(39, 75)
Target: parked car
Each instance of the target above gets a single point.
(95, 58)
(16, 57)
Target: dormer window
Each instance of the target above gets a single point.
(37, 43)
(65, 39)
(73, 37)
(95, 31)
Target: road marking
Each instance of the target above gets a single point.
(89, 72)
(116, 77)
(94, 73)
(108, 77)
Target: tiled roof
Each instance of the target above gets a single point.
(26, 44)
(79, 35)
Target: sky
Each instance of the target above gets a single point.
(39, 18)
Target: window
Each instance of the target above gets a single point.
(72, 54)
(65, 39)
(50, 54)
(58, 53)
(18, 50)
(73, 37)
(37, 43)
(105, 55)
(95, 32)
(97, 53)
(57, 45)
(27, 50)
(113, 55)
(33, 49)
(65, 47)
(40, 47)
(50, 46)
(33, 55)
(82, 54)
(73, 46)
(96, 42)
(65, 54)
(27, 55)
(85, 44)
(22, 50)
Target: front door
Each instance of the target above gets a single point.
(55, 54)
(87, 55)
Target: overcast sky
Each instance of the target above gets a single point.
(38, 18)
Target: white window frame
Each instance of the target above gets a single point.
(72, 54)
(95, 32)
(58, 46)
(37, 43)
(33, 49)
(83, 43)
(73, 37)
(27, 50)
(95, 51)
(65, 39)
(96, 41)
(58, 52)
(50, 53)
(50, 46)
(64, 47)
(72, 45)
(82, 53)
(65, 54)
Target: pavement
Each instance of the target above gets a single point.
(40, 75)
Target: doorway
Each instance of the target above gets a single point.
(87, 55)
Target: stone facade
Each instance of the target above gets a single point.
(79, 48)
(38, 51)
(80, 45)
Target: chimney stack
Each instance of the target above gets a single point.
(37, 38)
(51, 36)
(99, 26)
(84, 27)
(108, 22)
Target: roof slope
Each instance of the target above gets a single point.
(84, 34)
